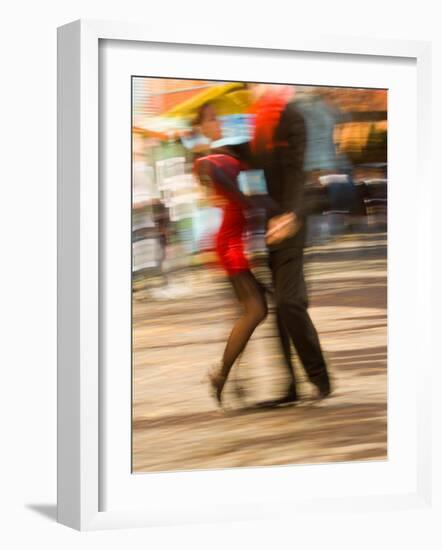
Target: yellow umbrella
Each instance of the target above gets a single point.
(228, 99)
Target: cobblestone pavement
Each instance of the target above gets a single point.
(176, 425)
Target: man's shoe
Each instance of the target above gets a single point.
(289, 398)
(324, 389)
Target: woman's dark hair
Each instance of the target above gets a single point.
(198, 118)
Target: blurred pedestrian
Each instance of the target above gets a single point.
(163, 229)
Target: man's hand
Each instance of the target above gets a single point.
(282, 227)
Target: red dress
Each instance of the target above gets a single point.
(230, 237)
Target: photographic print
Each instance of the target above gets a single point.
(259, 274)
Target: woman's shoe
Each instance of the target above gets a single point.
(216, 381)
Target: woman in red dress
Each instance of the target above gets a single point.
(219, 170)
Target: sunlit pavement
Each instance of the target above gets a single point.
(179, 332)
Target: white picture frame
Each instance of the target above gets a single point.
(79, 275)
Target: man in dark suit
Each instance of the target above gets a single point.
(282, 159)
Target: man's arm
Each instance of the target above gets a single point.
(230, 186)
(292, 130)
(209, 173)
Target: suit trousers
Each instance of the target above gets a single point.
(291, 303)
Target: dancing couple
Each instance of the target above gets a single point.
(277, 147)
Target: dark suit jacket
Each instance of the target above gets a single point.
(284, 169)
(284, 172)
(284, 165)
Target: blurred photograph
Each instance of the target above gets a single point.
(259, 274)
